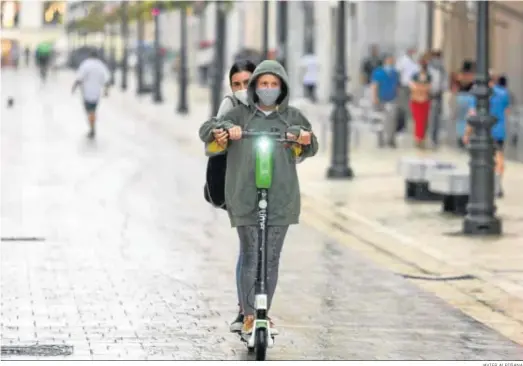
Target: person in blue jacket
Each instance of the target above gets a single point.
(499, 108)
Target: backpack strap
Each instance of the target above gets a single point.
(232, 99)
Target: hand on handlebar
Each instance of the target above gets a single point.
(304, 138)
(220, 136)
(235, 133)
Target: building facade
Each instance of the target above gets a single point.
(455, 34)
(31, 22)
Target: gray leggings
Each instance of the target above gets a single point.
(249, 258)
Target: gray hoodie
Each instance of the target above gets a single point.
(240, 189)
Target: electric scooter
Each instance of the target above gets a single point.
(261, 337)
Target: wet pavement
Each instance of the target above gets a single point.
(134, 264)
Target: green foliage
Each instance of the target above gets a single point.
(96, 18)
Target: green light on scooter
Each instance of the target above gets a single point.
(264, 144)
(264, 152)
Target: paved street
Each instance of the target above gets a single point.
(125, 260)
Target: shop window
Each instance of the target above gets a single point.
(53, 12)
(10, 14)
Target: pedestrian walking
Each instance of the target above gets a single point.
(464, 98)
(93, 76)
(309, 64)
(407, 67)
(420, 101)
(440, 84)
(370, 63)
(500, 109)
(27, 53)
(385, 87)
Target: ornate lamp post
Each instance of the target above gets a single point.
(340, 117)
(182, 69)
(125, 41)
(481, 210)
(140, 30)
(265, 40)
(157, 89)
(219, 57)
(112, 52)
(282, 31)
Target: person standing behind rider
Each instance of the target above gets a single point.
(93, 75)
(239, 76)
(267, 110)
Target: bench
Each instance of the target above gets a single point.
(415, 171)
(453, 186)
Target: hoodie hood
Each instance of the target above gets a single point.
(270, 67)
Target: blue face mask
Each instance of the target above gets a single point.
(387, 68)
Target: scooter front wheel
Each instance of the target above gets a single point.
(261, 344)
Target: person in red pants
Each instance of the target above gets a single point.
(420, 101)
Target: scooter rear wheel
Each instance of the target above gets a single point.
(261, 344)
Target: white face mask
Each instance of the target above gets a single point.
(241, 95)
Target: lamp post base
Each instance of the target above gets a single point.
(340, 172)
(182, 110)
(481, 226)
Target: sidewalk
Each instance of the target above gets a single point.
(411, 239)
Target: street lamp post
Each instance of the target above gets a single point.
(481, 210)
(157, 90)
(219, 56)
(430, 24)
(265, 30)
(182, 69)
(112, 54)
(125, 40)
(140, 30)
(282, 31)
(340, 117)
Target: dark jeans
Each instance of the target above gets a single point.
(435, 117)
(310, 92)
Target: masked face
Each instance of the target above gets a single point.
(241, 95)
(268, 96)
(268, 89)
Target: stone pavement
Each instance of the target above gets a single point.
(133, 264)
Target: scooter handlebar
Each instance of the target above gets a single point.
(251, 134)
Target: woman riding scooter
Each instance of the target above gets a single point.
(267, 110)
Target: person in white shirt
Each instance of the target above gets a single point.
(309, 63)
(407, 68)
(93, 76)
